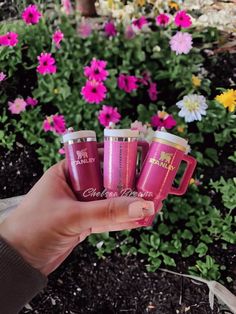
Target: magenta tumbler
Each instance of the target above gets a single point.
(82, 158)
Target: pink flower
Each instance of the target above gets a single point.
(181, 43)
(61, 151)
(182, 19)
(67, 7)
(46, 64)
(55, 123)
(85, 30)
(31, 101)
(139, 23)
(162, 19)
(163, 119)
(96, 71)
(31, 15)
(146, 77)
(129, 32)
(152, 91)
(138, 125)
(17, 106)
(94, 92)
(108, 114)
(127, 82)
(10, 39)
(57, 38)
(2, 76)
(110, 29)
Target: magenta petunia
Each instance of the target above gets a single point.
(46, 64)
(2, 76)
(162, 19)
(85, 29)
(31, 101)
(181, 43)
(108, 114)
(94, 92)
(55, 123)
(110, 29)
(127, 82)
(17, 106)
(146, 78)
(96, 71)
(61, 151)
(182, 19)
(31, 14)
(10, 39)
(152, 91)
(57, 37)
(139, 23)
(163, 119)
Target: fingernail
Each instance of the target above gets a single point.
(140, 209)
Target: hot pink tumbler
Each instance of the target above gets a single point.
(84, 165)
(120, 159)
(165, 155)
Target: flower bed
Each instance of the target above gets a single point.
(147, 74)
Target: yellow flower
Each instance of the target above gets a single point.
(196, 81)
(173, 5)
(228, 99)
(55, 91)
(180, 128)
(141, 3)
(192, 181)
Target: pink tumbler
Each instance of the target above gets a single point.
(81, 150)
(165, 155)
(120, 159)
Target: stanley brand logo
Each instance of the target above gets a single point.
(83, 158)
(163, 161)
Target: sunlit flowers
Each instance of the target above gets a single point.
(17, 106)
(84, 29)
(57, 37)
(2, 76)
(10, 39)
(163, 119)
(108, 115)
(31, 15)
(228, 99)
(97, 70)
(139, 126)
(46, 64)
(152, 91)
(162, 19)
(55, 123)
(182, 19)
(127, 82)
(181, 43)
(67, 7)
(140, 23)
(94, 92)
(110, 29)
(192, 107)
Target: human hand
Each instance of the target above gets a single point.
(50, 222)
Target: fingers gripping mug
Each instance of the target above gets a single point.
(120, 158)
(162, 162)
(81, 150)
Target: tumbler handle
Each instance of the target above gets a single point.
(191, 164)
(145, 147)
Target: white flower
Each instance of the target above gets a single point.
(192, 107)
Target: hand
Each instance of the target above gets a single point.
(50, 222)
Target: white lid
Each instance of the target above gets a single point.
(78, 134)
(171, 138)
(121, 133)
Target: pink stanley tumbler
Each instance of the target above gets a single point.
(120, 159)
(164, 157)
(81, 150)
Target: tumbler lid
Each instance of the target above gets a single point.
(171, 138)
(78, 134)
(121, 133)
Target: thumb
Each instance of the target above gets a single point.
(109, 211)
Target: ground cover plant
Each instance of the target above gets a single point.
(154, 72)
